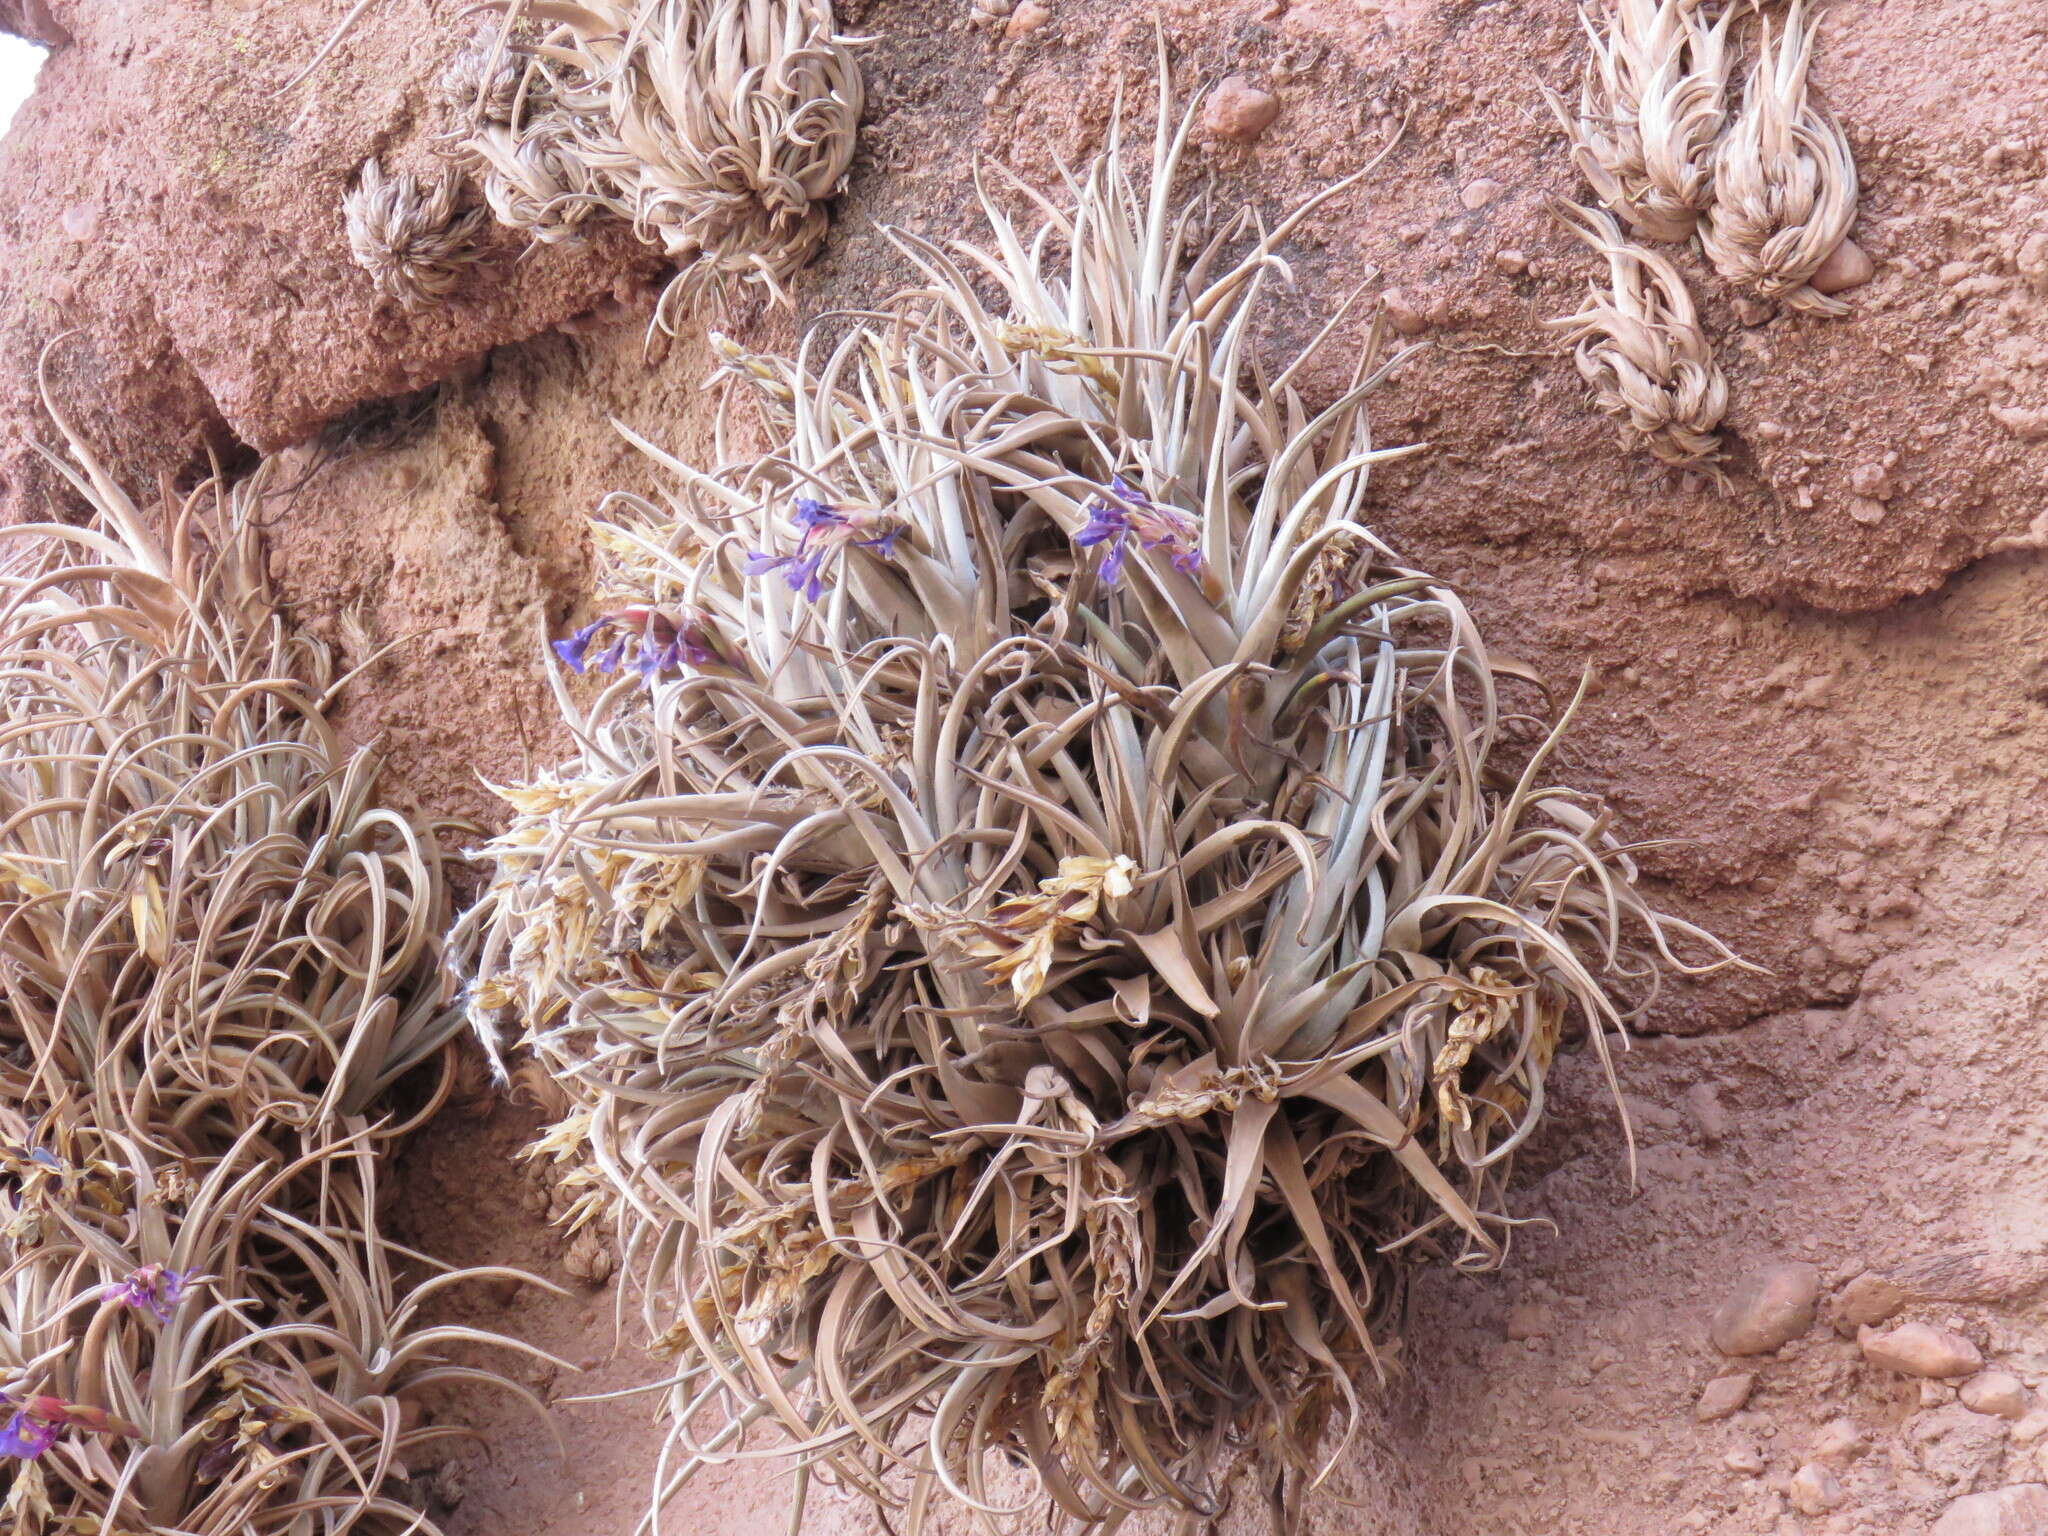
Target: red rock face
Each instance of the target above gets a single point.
(1822, 693)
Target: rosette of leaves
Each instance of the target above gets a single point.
(1050, 911)
(182, 1350)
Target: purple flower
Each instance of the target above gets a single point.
(658, 641)
(1123, 513)
(800, 571)
(571, 650)
(26, 1437)
(153, 1288)
(825, 528)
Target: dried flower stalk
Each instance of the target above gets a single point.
(1641, 348)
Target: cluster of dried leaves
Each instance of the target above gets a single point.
(1769, 190)
(1061, 911)
(718, 128)
(411, 236)
(220, 971)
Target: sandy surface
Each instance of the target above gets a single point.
(1828, 685)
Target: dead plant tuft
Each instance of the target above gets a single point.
(409, 236)
(1784, 181)
(1046, 915)
(1641, 348)
(718, 128)
(1651, 106)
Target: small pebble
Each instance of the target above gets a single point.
(1920, 1349)
(1724, 1396)
(1769, 1309)
(2031, 1428)
(1751, 312)
(2018, 1510)
(1815, 1490)
(1871, 480)
(1839, 1440)
(1511, 261)
(1239, 110)
(1026, 19)
(1866, 510)
(1478, 194)
(1704, 1105)
(1527, 1320)
(1402, 313)
(1746, 1459)
(1998, 1393)
(1868, 1299)
(1846, 267)
(80, 221)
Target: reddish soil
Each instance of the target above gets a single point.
(1827, 685)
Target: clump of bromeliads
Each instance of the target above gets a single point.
(220, 1005)
(1767, 188)
(719, 129)
(1048, 909)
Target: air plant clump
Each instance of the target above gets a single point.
(409, 235)
(1640, 346)
(486, 85)
(1030, 994)
(220, 1004)
(1651, 108)
(718, 128)
(1784, 180)
(1770, 193)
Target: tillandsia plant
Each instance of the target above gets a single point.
(409, 236)
(193, 1355)
(219, 981)
(1784, 181)
(718, 128)
(1085, 915)
(1641, 348)
(207, 918)
(1651, 108)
